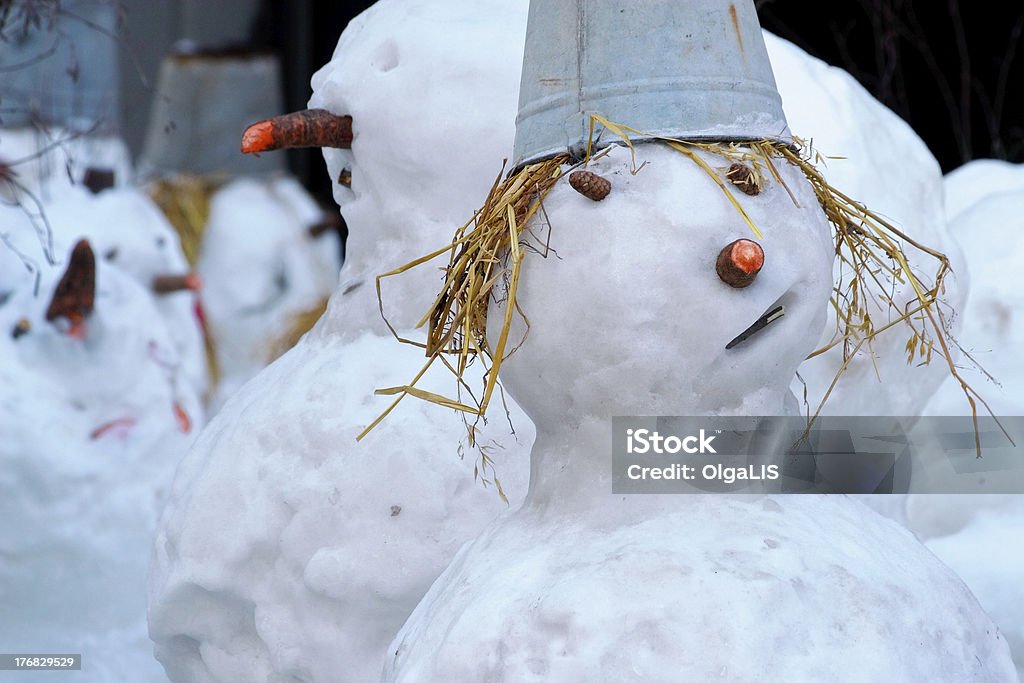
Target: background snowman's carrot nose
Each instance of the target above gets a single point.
(739, 263)
(306, 128)
(76, 291)
(168, 284)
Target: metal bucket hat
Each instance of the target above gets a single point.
(692, 69)
(200, 107)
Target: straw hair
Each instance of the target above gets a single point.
(488, 250)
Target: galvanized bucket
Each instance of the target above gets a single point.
(689, 69)
(205, 98)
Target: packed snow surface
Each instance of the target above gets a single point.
(797, 588)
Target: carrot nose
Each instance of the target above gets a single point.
(76, 291)
(306, 128)
(167, 283)
(739, 263)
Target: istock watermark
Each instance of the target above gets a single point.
(832, 455)
(645, 441)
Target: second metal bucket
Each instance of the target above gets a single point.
(691, 69)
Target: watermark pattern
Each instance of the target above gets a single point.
(834, 455)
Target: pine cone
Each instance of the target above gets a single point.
(98, 179)
(742, 177)
(590, 185)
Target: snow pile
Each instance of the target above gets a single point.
(580, 585)
(991, 228)
(887, 167)
(93, 428)
(288, 550)
(260, 269)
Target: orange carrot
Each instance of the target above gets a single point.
(184, 421)
(73, 298)
(121, 425)
(739, 263)
(306, 128)
(167, 284)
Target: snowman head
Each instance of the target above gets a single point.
(414, 112)
(627, 314)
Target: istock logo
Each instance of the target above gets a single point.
(642, 441)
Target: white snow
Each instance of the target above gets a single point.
(798, 588)
(975, 181)
(991, 229)
(287, 549)
(978, 536)
(886, 166)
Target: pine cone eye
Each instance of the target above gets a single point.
(590, 185)
(743, 177)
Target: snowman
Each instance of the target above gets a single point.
(288, 549)
(96, 410)
(244, 222)
(260, 269)
(651, 308)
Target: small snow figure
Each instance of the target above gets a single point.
(73, 298)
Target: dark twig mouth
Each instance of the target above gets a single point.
(764, 321)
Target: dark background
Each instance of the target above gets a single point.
(950, 69)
